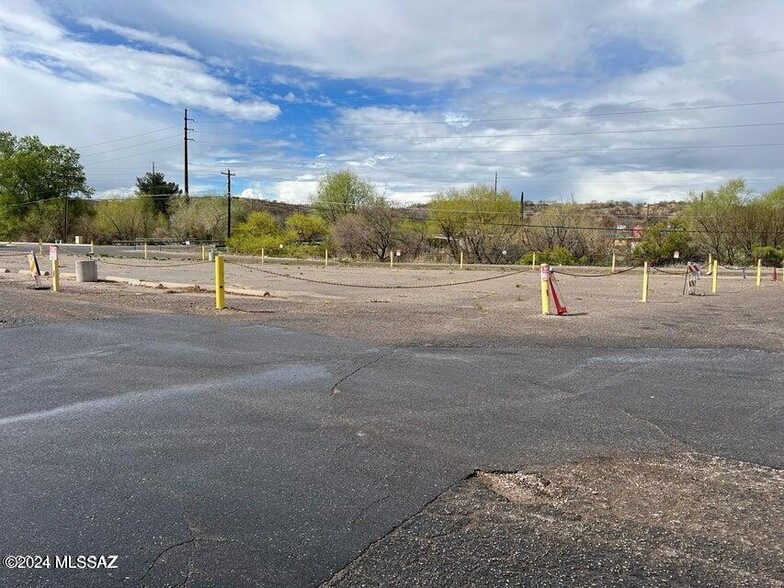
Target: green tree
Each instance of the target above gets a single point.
(126, 219)
(307, 228)
(732, 223)
(770, 216)
(154, 186)
(340, 193)
(204, 218)
(713, 216)
(259, 231)
(39, 181)
(479, 222)
(569, 226)
(660, 242)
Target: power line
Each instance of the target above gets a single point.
(128, 137)
(581, 133)
(132, 155)
(503, 136)
(715, 57)
(575, 150)
(131, 146)
(562, 116)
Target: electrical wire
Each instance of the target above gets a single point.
(563, 116)
(504, 136)
(128, 137)
(574, 150)
(129, 146)
(134, 154)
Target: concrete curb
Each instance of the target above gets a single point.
(183, 286)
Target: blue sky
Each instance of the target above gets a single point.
(592, 100)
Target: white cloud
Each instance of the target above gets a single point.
(252, 193)
(147, 37)
(452, 63)
(295, 191)
(441, 40)
(176, 80)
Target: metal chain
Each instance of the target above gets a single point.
(396, 287)
(661, 271)
(615, 273)
(738, 267)
(142, 265)
(74, 253)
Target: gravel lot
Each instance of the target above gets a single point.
(502, 310)
(666, 520)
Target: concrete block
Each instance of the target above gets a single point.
(86, 270)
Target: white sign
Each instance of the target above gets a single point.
(545, 273)
(677, 254)
(52, 252)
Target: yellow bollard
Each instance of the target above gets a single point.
(645, 282)
(613, 263)
(326, 258)
(392, 259)
(203, 252)
(92, 246)
(533, 261)
(545, 269)
(759, 272)
(55, 276)
(40, 248)
(461, 260)
(220, 288)
(145, 250)
(710, 261)
(715, 276)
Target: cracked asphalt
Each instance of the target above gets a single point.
(207, 452)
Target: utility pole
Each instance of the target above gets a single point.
(522, 209)
(228, 175)
(65, 216)
(495, 184)
(153, 168)
(186, 129)
(66, 178)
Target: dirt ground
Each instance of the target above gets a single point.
(683, 519)
(442, 307)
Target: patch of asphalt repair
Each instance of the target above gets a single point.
(684, 519)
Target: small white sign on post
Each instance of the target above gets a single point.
(545, 273)
(52, 252)
(676, 255)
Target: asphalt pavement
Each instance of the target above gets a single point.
(217, 453)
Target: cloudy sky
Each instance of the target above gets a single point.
(638, 100)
